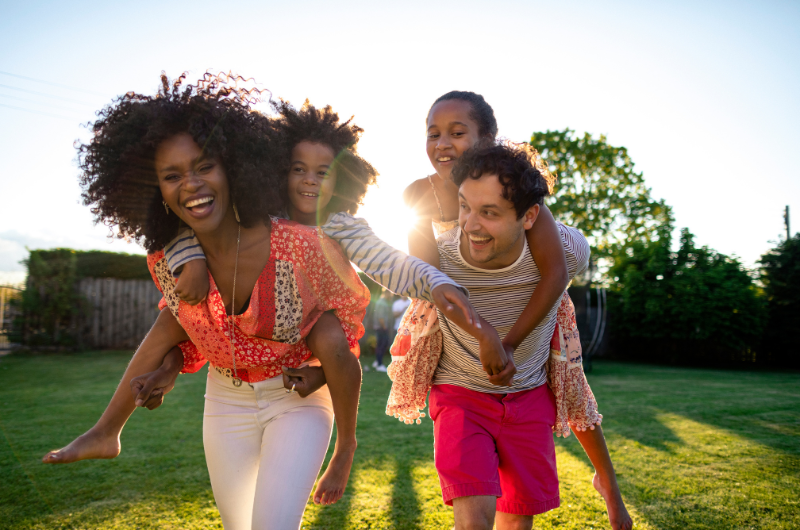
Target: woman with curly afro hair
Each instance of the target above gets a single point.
(198, 156)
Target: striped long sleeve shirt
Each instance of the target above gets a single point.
(500, 296)
(397, 271)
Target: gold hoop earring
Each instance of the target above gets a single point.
(236, 213)
(165, 206)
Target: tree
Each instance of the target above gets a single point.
(691, 306)
(599, 192)
(780, 274)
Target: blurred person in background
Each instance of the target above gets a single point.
(383, 322)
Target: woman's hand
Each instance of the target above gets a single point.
(305, 381)
(149, 389)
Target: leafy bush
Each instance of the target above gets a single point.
(693, 306)
(50, 302)
(103, 264)
(780, 274)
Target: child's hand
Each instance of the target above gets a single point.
(455, 305)
(495, 360)
(192, 286)
(305, 381)
(506, 375)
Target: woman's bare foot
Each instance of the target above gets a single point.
(617, 513)
(90, 445)
(330, 487)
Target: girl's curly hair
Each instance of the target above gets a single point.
(353, 173)
(118, 177)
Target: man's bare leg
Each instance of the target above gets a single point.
(605, 479)
(510, 521)
(475, 512)
(102, 440)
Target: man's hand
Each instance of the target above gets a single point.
(455, 305)
(506, 376)
(149, 389)
(306, 380)
(192, 286)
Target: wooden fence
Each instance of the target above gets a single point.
(118, 313)
(7, 313)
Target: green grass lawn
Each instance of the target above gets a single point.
(693, 449)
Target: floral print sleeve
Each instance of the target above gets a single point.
(193, 360)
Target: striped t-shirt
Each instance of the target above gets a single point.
(392, 268)
(500, 296)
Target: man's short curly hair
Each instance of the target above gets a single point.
(118, 176)
(481, 113)
(523, 174)
(310, 124)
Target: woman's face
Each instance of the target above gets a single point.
(194, 186)
(451, 131)
(311, 182)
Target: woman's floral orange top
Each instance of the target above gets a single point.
(306, 275)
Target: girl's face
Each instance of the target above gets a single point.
(311, 183)
(450, 132)
(194, 186)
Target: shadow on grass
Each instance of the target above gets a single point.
(701, 448)
(404, 511)
(763, 407)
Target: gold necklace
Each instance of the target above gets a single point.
(237, 381)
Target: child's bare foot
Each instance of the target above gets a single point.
(330, 487)
(90, 445)
(617, 513)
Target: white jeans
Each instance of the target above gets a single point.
(264, 449)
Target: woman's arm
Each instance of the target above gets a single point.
(547, 249)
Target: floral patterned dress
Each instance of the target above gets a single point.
(306, 275)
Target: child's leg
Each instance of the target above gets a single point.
(605, 480)
(102, 440)
(343, 373)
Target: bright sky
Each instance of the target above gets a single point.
(703, 94)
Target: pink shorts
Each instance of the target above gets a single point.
(496, 444)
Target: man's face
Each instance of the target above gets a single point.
(491, 235)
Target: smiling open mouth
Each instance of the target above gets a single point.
(309, 194)
(478, 240)
(445, 159)
(199, 204)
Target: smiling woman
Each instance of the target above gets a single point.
(197, 156)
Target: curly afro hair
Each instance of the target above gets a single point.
(523, 174)
(482, 113)
(118, 177)
(310, 124)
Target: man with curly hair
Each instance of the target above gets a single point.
(494, 452)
